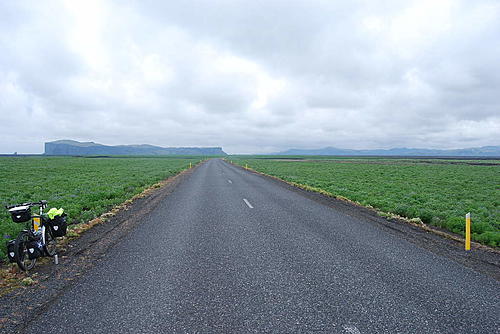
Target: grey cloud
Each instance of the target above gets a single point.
(251, 76)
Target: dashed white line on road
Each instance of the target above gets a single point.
(351, 330)
(229, 181)
(247, 203)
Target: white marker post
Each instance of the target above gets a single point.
(467, 232)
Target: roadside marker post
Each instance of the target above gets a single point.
(189, 165)
(467, 232)
(246, 166)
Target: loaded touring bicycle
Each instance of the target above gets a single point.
(39, 237)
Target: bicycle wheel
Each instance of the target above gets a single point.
(50, 246)
(21, 256)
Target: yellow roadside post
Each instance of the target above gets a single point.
(190, 165)
(467, 232)
(246, 166)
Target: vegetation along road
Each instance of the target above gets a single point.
(85, 187)
(437, 192)
(233, 251)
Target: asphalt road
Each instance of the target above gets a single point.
(232, 252)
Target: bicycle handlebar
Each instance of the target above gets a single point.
(30, 204)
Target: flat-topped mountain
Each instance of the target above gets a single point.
(485, 151)
(72, 147)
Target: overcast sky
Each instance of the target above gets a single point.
(250, 76)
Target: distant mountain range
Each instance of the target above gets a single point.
(71, 147)
(485, 151)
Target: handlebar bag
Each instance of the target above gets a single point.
(11, 251)
(35, 248)
(58, 226)
(20, 214)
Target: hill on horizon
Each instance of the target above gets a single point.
(485, 151)
(72, 147)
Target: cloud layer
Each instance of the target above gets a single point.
(251, 76)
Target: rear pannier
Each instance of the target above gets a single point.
(58, 226)
(35, 248)
(11, 251)
(20, 214)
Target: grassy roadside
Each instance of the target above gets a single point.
(437, 194)
(84, 187)
(11, 278)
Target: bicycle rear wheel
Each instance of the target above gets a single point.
(21, 256)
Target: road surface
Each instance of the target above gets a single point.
(230, 251)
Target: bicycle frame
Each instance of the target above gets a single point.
(41, 229)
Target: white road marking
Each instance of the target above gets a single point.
(247, 203)
(351, 330)
(229, 181)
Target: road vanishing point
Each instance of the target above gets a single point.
(231, 251)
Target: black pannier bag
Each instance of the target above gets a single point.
(34, 248)
(58, 226)
(11, 251)
(20, 214)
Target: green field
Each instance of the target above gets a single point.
(439, 192)
(84, 187)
